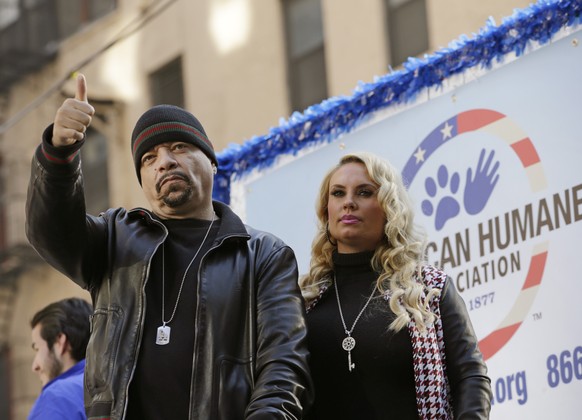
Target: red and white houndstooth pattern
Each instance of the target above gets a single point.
(428, 353)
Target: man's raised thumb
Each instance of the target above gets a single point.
(81, 94)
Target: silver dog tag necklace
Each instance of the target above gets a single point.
(163, 334)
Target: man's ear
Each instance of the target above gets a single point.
(61, 345)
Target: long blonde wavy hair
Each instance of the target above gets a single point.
(399, 257)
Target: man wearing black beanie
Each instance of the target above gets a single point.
(197, 316)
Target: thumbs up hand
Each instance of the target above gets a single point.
(73, 117)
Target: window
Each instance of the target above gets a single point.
(3, 203)
(305, 53)
(4, 383)
(73, 15)
(166, 84)
(7, 298)
(8, 12)
(407, 29)
(95, 172)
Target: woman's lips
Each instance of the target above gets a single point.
(349, 219)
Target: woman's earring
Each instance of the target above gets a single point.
(327, 234)
(214, 169)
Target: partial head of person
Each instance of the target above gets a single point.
(363, 205)
(175, 162)
(60, 333)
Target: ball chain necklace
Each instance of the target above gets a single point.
(349, 342)
(163, 335)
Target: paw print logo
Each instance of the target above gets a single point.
(447, 207)
(479, 186)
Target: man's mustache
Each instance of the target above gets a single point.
(177, 174)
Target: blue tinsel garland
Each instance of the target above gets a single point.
(324, 122)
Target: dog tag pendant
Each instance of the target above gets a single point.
(163, 336)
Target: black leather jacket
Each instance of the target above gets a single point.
(466, 370)
(252, 362)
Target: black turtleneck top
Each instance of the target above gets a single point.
(381, 386)
(160, 387)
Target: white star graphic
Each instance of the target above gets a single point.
(419, 155)
(447, 131)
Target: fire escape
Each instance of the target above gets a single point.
(28, 38)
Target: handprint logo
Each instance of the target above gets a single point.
(478, 190)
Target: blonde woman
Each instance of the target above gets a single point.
(389, 336)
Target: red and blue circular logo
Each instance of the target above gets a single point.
(467, 172)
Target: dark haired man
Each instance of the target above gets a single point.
(60, 333)
(197, 316)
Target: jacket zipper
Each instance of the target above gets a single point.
(218, 245)
(142, 316)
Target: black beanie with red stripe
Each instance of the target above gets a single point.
(167, 123)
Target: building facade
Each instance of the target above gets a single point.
(238, 65)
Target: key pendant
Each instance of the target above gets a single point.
(348, 345)
(163, 336)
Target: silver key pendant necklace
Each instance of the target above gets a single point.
(163, 334)
(349, 342)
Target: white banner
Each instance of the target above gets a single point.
(494, 169)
